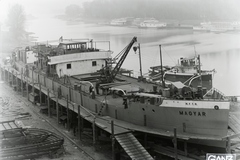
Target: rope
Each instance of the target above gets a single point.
(169, 56)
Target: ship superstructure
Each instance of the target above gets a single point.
(188, 71)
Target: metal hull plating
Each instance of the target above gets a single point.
(189, 119)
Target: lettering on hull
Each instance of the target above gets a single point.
(192, 113)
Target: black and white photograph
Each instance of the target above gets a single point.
(119, 79)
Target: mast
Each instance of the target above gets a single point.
(199, 69)
(140, 62)
(163, 84)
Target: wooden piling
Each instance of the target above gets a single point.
(228, 149)
(27, 89)
(70, 95)
(18, 82)
(8, 76)
(185, 148)
(79, 123)
(94, 133)
(44, 79)
(12, 78)
(82, 120)
(40, 94)
(48, 99)
(61, 110)
(33, 90)
(113, 140)
(68, 125)
(32, 76)
(57, 107)
(81, 97)
(52, 85)
(175, 144)
(22, 82)
(1, 69)
(5, 75)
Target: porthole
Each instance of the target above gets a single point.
(216, 107)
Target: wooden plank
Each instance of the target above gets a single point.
(131, 146)
(13, 125)
(3, 126)
(171, 154)
(232, 136)
(235, 146)
(7, 121)
(232, 125)
(170, 150)
(7, 126)
(136, 153)
(125, 140)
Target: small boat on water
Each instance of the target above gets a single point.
(204, 26)
(152, 23)
(218, 27)
(121, 21)
(134, 104)
(118, 22)
(188, 71)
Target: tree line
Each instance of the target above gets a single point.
(163, 9)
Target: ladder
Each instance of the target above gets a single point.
(133, 147)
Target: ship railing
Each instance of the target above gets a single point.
(233, 98)
(215, 94)
(90, 43)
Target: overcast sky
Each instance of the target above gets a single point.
(38, 7)
(43, 8)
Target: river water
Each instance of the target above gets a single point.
(219, 51)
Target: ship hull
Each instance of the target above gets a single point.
(191, 117)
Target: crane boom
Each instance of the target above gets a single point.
(108, 75)
(123, 57)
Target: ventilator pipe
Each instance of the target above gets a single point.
(193, 79)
